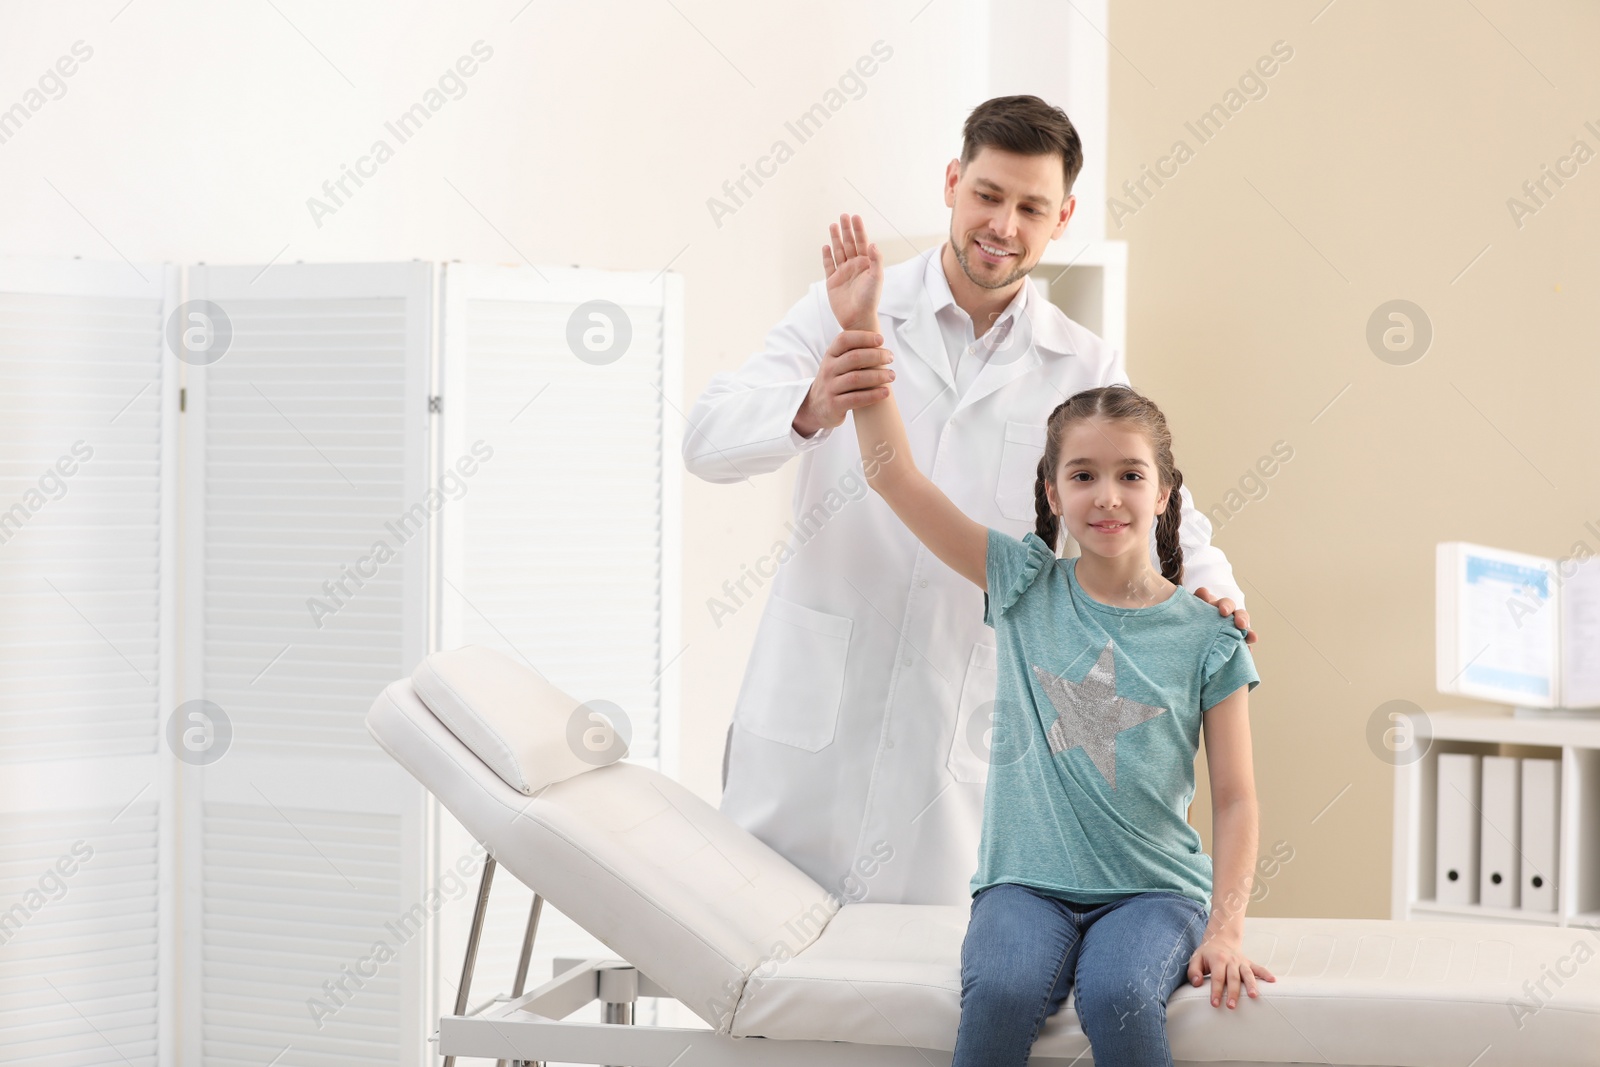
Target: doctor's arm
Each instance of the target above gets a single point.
(1206, 571)
(741, 425)
(785, 400)
(958, 540)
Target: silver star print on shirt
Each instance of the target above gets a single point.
(1090, 714)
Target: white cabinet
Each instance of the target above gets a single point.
(1573, 742)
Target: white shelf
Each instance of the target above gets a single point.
(1069, 249)
(1490, 724)
(1575, 742)
(1089, 281)
(1432, 909)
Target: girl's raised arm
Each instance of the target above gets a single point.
(854, 270)
(949, 532)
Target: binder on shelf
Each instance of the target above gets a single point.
(1541, 807)
(1518, 629)
(1499, 866)
(1456, 874)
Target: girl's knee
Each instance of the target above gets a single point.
(1130, 997)
(1130, 1013)
(1008, 993)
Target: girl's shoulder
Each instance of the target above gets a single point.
(1015, 565)
(1215, 638)
(1209, 627)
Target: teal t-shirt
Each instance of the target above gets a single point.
(1096, 725)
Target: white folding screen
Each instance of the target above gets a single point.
(200, 604)
(562, 548)
(87, 464)
(306, 578)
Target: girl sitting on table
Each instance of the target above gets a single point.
(1089, 874)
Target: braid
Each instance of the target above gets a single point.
(1046, 524)
(1168, 548)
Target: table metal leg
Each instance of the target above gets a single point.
(471, 959)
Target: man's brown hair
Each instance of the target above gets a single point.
(1027, 126)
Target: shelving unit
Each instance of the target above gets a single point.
(1490, 732)
(1087, 279)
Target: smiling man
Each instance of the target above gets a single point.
(861, 735)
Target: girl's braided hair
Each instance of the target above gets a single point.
(1122, 404)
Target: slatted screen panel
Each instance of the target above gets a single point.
(305, 470)
(80, 523)
(561, 551)
(289, 900)
(554, 553)
(84, 671)
(309, 597)
(78, 982)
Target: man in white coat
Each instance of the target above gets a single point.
(859, 742)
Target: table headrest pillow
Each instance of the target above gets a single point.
(526, 730)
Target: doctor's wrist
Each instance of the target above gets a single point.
(805, 423)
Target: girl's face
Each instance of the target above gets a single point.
(1107, 488)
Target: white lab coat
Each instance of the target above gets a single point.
(853, 749)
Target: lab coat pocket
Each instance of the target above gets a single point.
(1019, 468)
(969, 749)
(795, 678)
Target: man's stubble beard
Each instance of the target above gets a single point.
(959, 248)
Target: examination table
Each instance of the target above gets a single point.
(782, 972)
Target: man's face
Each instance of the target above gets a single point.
(1008, 203)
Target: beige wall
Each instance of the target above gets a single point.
(1377, 166)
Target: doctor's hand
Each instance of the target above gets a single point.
(854, 270)
(855, 373)
(1225, 606)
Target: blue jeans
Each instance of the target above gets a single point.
(1025, 949)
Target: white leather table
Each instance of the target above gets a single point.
(708, 914)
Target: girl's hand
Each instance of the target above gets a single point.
(1222, 958)
(854, 270)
